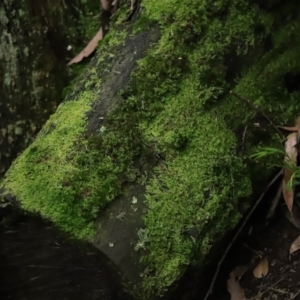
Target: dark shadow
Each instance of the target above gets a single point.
(38, 263)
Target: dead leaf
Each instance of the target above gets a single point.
(297, 121)
(290, 161)
(295, 245)
(297, 146)
(90, 48)
(261, 269)
(132, 2)
(294, 128)
(105, 4)
(287, 128)
(233, 286)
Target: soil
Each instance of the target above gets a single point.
(283, 279)
(272, 240)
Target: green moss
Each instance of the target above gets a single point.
(65, 175)
(194, 122)
(49, 188)
(178, 104)
(195, 188)
(33, 80)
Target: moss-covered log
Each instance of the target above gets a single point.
(149, 156)
(34, 37)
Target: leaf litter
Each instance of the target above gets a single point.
(295, 245)
(233, 285)
(89, 49)
(262, 268)
(289, 169)
(111, 7)
(290, 165)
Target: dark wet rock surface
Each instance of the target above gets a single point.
(37, 262)
(120, 226)
(117, 75)
(121, 233)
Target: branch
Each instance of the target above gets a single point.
(255, 107)
(238, 233)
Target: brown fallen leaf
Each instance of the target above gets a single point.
(295, 245)
(90, 48)
(262, 268)
(233, 286)
(297, 146)
(105, 4)
(132, 3)
(290, 162)
(287, 128)
(294, 128)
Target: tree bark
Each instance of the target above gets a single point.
(33, 51)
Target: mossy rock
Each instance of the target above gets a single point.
(34, 42)
(152, 143)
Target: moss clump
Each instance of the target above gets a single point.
(70, 180)
(51, 171)
(66, 174)
(33, 53)
(194, 122)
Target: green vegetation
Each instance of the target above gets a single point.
(68, 176)
(53, 190)
(278, 155)
(190, 117)
(178, 104)
(33, 47)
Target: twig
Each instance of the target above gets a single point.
(244, 135)
(245, 131)
(258, 110)
(58, 267)
(274, 203)
(238, 233)
(272, 286)
(259, 254)
(293, 297)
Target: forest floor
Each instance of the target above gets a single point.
(283, 278)
(267, 245)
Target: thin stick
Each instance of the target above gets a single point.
(238, 233)
(258, 110)
(272, 287)
(295, 295)
(274, 203)
(243, 138)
